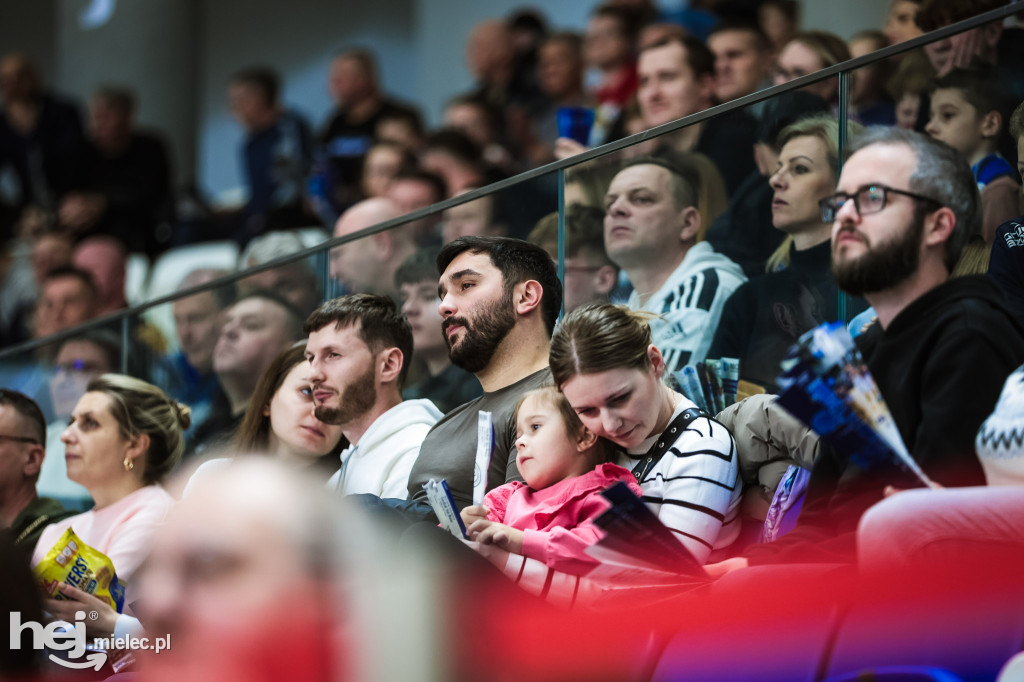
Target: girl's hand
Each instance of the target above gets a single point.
(496, 556)
(77, 600)
(476, 512)
(498, 534)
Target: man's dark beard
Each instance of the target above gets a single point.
(481, 339)
(885, 266)
(355, 400)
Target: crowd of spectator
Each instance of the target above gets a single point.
(479, 333)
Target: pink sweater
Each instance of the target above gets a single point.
(557, 522)
(124, 531)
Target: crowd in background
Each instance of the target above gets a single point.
(717, 239)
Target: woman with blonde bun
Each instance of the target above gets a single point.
(124, 437)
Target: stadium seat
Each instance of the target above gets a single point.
(311, 236)
(136, 276)
(172, 267)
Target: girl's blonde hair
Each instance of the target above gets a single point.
(141, 408)
(573, 426)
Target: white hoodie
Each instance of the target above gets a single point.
(691, 302)
(382, 459)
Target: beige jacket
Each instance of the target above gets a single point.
(768, 440)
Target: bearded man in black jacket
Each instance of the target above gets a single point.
(940, 350)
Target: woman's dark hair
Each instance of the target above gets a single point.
(253, 434)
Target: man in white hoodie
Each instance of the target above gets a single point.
(652, 229)
(357, 349)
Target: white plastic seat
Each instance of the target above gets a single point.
(136, 277)
(171, 268)
(311, 236)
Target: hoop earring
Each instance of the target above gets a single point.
(128, 463)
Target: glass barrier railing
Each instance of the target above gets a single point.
(721, 213)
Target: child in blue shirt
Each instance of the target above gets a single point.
(969, 113)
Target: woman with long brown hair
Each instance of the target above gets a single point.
(279, 421)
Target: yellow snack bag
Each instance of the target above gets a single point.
(75, 563)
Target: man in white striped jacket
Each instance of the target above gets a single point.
(652, 230)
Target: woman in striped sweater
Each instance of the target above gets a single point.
(603, 361)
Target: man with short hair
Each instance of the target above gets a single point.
(560, 77)
(126, 189)
(256, 328)
(416, 189)
(500, 298)
(490, 57)
(456, 159)
(743, 58)
(105, 259)
(651, 230)
(446, 385)
(358, 349)
(22, 449)
(941, 349)
(608, 50)
(295, 281)
(589, 275)
(472, 219)
(79, 360)
(187, 375)
(354, 86)
(677, 79)
(369, 264)
(277, 152)
(68, 297)
(41, 135)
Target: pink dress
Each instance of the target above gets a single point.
(124, 531)
(557, 522)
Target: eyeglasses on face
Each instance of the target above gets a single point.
(866, 200)
(77, 366)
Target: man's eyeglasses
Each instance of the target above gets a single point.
(77, 366)
(19, 439)
(867, 199)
